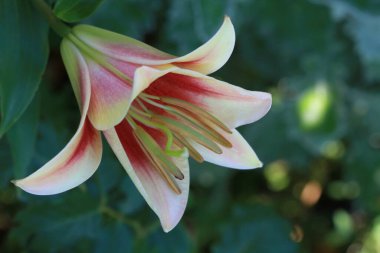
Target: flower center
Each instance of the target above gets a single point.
(183, 124)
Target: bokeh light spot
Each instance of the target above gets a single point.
(314, 105)
(276, 175)
(343, 222)
(311, 193)
(341, 190)
(333, 149)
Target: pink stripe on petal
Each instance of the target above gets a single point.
(118, 46)
(232, 105)
(71, 167)
(168, 205)
(240, 156)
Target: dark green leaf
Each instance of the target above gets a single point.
(134, 18)
(5, 163)
(47, 226)
(75, 10)
(176, 240)
(24, 52)
(22, 137)
(114, 237)
(134, 201)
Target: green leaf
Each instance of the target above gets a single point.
(24, 52)
(72, 223)
(75, 10)
(114, 237)
(134, 201)
(22, 137)
(49, 226)
(160, 242)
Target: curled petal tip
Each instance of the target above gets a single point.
(212, 55)
(256, 164)
(227, 19)
(240, 156)
(266, 103)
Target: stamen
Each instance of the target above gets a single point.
(149, 96)
(185, 130)
(156, 153)
(131, 122)
(145, 114)
(156, 164)
(141, 104)
(182, 123)
(163, 128)
(197, 111)
(201, 126)
(154, 103)
(192, 151)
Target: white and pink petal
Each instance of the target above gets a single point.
(168, 205)
(81, 156)
(206, 59)
(212, 55)
(118, 46)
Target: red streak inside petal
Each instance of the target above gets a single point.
(88, 137)
(181, 87)
(89, 133)
(131, 146)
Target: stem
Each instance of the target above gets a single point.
(58, 26)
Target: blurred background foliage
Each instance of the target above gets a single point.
(319, 189)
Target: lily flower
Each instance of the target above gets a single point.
(155, 110)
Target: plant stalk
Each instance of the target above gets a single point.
(57, 25)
